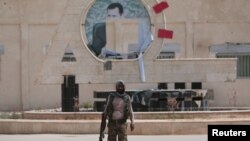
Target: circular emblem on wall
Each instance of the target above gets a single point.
(117, 29)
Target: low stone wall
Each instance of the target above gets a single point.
(147, 123)
(141, 115)
(143, 127)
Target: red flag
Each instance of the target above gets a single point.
(163, 33)
(160, 7)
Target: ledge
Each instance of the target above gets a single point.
(143, 127)
(141, 115)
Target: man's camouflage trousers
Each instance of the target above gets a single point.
(116, 129)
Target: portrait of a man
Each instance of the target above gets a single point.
(120, 13)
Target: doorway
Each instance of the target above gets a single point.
(70, 90)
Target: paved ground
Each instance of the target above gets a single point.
(71, 137)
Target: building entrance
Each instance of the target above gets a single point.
(70, 92)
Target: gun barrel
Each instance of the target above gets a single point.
(102, 127)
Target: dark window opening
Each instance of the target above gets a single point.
(68, 57)
(108, 65)
(180, 85)
(166, 55)
(196, 85)
(162, 86)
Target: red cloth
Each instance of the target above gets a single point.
(160, 7)
(163, 33)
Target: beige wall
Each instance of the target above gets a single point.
(26, 26)
(10, 67)
(47, 95)
(36, 32)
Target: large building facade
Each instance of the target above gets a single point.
(44, 50)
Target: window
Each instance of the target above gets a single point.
(68, 55)
(162, 86)
(180, 85)
(169, 50)
(108, 65)
(241, 51)
(196, 85)
(166, 55)
(243, 63)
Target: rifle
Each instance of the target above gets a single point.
(102, 128)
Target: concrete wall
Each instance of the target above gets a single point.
(35, 33)
(10, 85)
(26, 29)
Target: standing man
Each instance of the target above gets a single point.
(118, 109)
